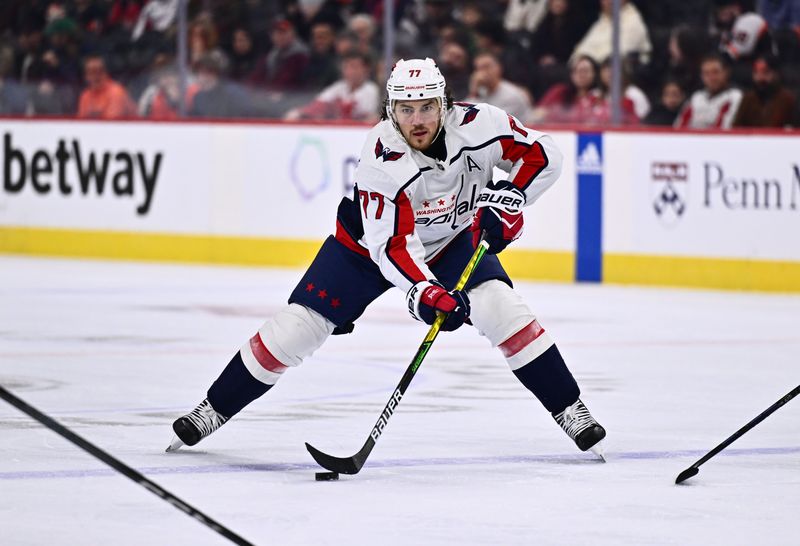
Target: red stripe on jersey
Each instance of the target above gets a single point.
(264, 357)
(521, 339)
(344, 237)
(686, 116)
(396, 247)
(533, 160)
(722, 112)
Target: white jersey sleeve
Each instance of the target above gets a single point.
(531, 158)
(385, 181)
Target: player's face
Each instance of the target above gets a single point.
(418, 121)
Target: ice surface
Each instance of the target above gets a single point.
(116, 351)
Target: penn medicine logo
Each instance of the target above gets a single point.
(669, 189)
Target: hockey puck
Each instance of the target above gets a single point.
(326, 476)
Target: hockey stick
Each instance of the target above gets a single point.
(121, 467)
(693, 470)
(351, 465)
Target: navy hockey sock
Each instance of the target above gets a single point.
(549, 379)
(235, 388)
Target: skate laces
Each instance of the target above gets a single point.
(205, 418)
(575, 419)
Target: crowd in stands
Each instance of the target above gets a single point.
(699, 64)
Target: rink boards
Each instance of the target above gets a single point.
(687, 209)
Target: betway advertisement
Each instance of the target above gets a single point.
(246, 180)
(714, 196)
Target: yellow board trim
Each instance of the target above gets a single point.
(539, 264)
(521, 264)
(720, 273)
(158, 247)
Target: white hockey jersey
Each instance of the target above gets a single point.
(411, 205)
(704, 111)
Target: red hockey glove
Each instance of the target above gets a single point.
(426, 298)
(499, 215)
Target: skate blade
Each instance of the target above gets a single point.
(174, 445)
(599, 450)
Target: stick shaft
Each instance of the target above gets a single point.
(739, 433)
(120, 467)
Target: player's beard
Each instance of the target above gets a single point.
(421, 142)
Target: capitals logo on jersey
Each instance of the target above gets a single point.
(388, 155)
(471, 112)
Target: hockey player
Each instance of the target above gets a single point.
(424, 194)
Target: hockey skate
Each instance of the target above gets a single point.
(579, 425)
(196, 425)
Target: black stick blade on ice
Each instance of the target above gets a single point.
(686, 474)
(694, 469)
(342, 465)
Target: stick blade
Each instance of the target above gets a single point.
(346, 465)
(686, 474)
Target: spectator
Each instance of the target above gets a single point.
(363, 26)
(724, 15)
(157, 15)
(524, 15)
(635, 104)
(553, 42)
(61, 53)
(283, 67)
(123, 15)
(558, 34)
(203, 38)
(29, 49)
(487, 85)
(666, 110)
(419, 30)
(750, 37)
(686, 48)
(346, 42)
(454, 64)
(242, 54)
(473, 12)
(491, 36)
(103, 97)
(354, 97)
(161, 100)
(564, 102)
(768, 104)
(89, 15)
(633, 36)
(322, 69)
(216, 97)
(715, 105)
(13, 98)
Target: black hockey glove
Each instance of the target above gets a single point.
(426, 298)
(499, 215)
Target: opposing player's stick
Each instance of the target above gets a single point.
(351, 465)
(121, 467)
(693, 470)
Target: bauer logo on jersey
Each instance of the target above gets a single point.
(386, 153)
(669, 190)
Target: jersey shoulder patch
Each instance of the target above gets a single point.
(385, 153)
(470, 112)
(386, 163)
